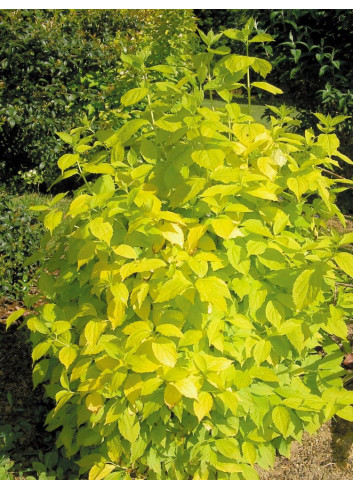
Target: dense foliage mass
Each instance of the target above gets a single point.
(58, 66)
(195, 311)
(20, 234)
(311, 58)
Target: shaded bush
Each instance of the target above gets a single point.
(20, 233)
(58, 65)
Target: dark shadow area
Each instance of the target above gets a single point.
(23, 410)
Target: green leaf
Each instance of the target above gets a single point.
(165, 351)
(306, 288)
(52, 220)
(149, 151)
(129, 426)
(169, 330)
(249, 452)
(262, 38)
(187, 387)
(67, 355)
(67, 161)
(281, 419)
(208, 158)
(173, 288)
(65, 137)
(134, 96)
(228, 447)
(126, 131)
(141, 266)
(40, 350)
(203, 405)
(261, 66)
(345, 262)
(274, 312)
(267, 87)
(14, 316)
(261, 351)
(329, 142)
(101, 229)
(213, 290)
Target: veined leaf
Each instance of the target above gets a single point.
(281, 419)
(171, 396)
(174, 287)
(67, 355)
(14, 316)
(213, 290)
(187, 387)
(267, 87)
(125, 250)
(228, 447)
(306, 288)
(101, 229)
(141, 266)
(134, 96)
(345, 262)
(165, 351)
(53, 219)
(67, 161)
(129, 426)
(208, 158)
(203, 405)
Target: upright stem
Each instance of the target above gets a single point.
(248, 87)
(209, 79)
(89, 188)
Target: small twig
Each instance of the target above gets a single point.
(331, 173)
(338, 284)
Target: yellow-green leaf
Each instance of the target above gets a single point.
(171, 396)
(213, 290)
(67, 355)
(174, 287)
(203, 405)
(141, 266)
(14, 316)
(268, 87)
(228, 447)
(249, 452)
(94, 402)
(129, 426)
(67, 161)
(187, 387)
(165, 351)
(133, 96)
(40, 350)
(281, 419)
(126, 251)
(208, 158)
(345, 262)
(101, 229)
(305, 289)
(53, 219)
(100, 471)
(173, 233)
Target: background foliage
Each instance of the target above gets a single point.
(58, 65)
(311, 59)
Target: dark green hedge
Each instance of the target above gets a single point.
(57, 66)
